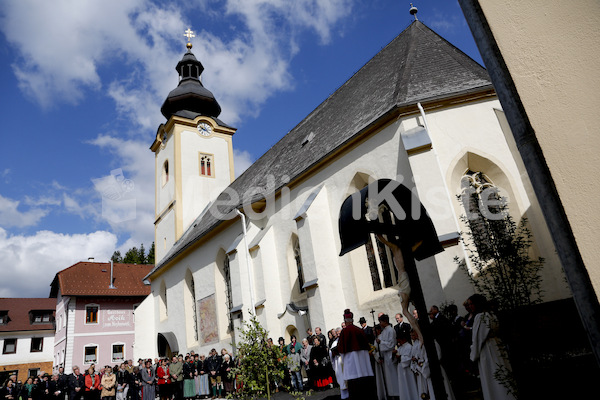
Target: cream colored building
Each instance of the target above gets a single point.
(543, 59)
(286, 268)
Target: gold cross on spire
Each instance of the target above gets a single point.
(189, 34)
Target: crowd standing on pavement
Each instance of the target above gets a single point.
(383, 361)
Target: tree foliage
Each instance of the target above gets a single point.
(259, 364)
(500, 263)
(135, 255)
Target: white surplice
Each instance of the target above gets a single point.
(407, 384)
(386, 346)
(485, 351)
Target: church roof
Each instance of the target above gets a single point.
(417, 66)
(190, 94)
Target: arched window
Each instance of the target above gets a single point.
(229, 293)
(484, 211)
(190, 305)
(165, 172)
(381, 264)
(163, 300)
(298, 259)
(206, 165)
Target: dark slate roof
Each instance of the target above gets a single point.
(190, 94)
(417, 66)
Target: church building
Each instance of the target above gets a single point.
(420, 112)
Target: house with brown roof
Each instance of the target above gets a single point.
(26, 336)
(95, 305)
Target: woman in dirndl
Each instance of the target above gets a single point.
(189, 385)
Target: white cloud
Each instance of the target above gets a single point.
(11, 216)
(64, 44)
(31, 262)
(241, 161)
(127, 192)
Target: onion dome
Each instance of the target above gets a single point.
(190, 94)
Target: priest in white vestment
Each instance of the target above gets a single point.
(486, 351)
(407, 385)
(386, 341)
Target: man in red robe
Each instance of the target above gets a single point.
(353, 346)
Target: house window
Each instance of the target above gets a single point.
(91, 314)
(206, 165)
(90, 354)
(3, 317)
(33, 372)
(118, 352)
(41, 317)
(37, 345)
(298, 258)
(10, 346)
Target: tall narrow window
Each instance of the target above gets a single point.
(477, 191)
(227, 276)
(165, 173)
(298, 258)
(384, 273)
(206, 165)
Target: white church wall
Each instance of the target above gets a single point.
(166, 190)
(165, 235)
(144, 345)
(198, 191)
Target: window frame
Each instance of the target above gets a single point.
(97, 321)
(5, 345)
(41, 347)
(112, 352)
(90, 346)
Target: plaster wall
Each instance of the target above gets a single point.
(145, 345)
(552, 52)
(23, 354)
(197, 191)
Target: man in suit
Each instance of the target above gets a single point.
(402, 328)
(367, 330)
(76, 384)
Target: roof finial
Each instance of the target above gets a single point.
(413, 11)
(189, 34)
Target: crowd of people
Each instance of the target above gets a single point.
(389, 361)
(383, 361)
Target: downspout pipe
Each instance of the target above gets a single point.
(248, 268)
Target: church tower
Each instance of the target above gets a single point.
(193, 154)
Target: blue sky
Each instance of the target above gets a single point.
(82, 83)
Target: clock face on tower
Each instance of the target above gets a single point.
(204, 128)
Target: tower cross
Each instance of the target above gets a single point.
(189, 34)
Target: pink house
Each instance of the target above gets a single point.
(94, 316)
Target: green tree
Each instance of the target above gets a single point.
(500, 263)
(259, 363)
(150, 257)
(132, 256)
(142, 254)
(116, 257)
